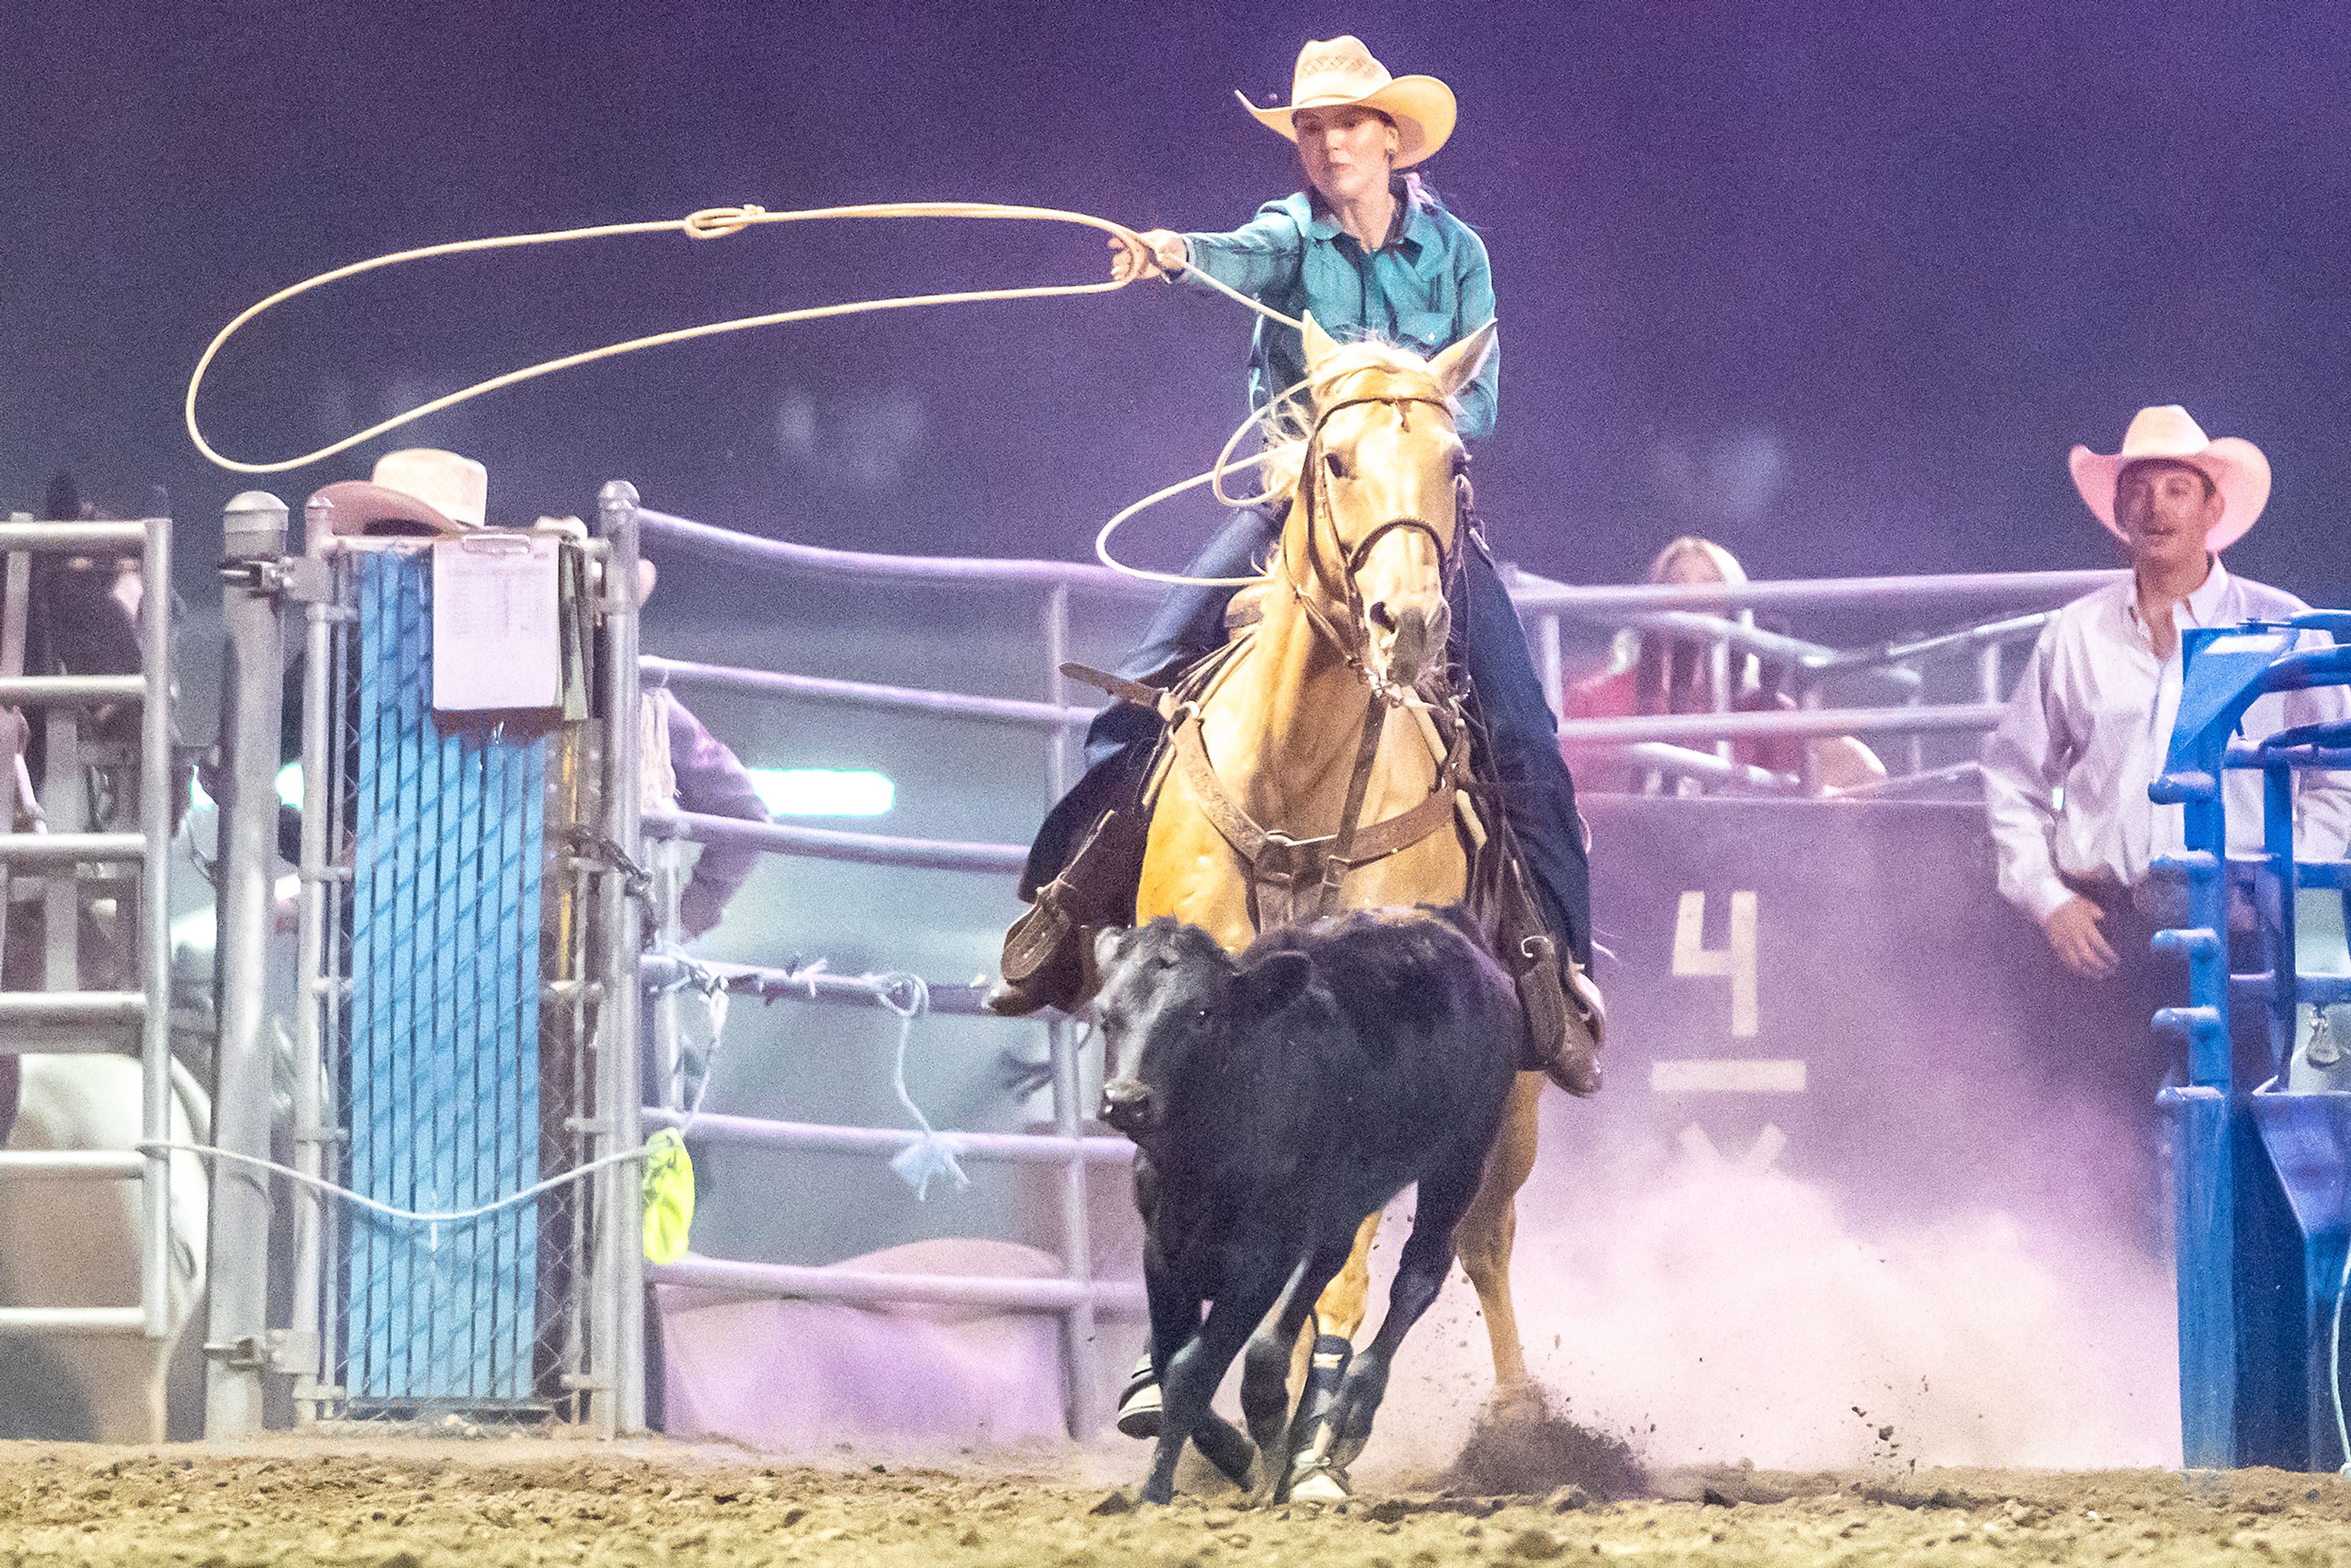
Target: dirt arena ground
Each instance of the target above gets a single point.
(523, 1500)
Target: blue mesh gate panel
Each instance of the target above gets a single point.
(441, 1104)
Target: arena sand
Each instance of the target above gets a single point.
(501, 1502)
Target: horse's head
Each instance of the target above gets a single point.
(1376, 509)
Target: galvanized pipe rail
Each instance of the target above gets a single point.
(865, 694)
(1076, 1299)
(824, 1138)
(661, 970)
(65, 1019)
(828, 843)
(872, 1289)
(1691, 611)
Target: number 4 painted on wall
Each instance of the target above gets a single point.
(1736, 960)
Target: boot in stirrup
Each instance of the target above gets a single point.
(1566, 1020)
(1048, 952)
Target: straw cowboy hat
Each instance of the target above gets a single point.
(2236, 467)
(1334, 73)
(421, 492)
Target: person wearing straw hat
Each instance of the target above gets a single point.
(421, 492)
(1370, 252)
(2066, 773)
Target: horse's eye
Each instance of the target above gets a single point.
(1335, 463)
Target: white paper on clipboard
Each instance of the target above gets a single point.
(494, 631)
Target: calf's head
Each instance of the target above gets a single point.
(1170, 1005)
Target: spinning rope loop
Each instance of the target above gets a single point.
(710, 223)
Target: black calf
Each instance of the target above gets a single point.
(1277, 1099)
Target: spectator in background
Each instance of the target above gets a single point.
(1658, 672)
(683, 768)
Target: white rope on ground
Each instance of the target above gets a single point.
(711, 223)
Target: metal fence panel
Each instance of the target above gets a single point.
(440, 1082)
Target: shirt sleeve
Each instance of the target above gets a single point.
(2322, 796)
(1475, 281)
(2023, 762)
(713, 781)
(1256, 259)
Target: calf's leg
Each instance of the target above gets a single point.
(1189, 1379)
(1421, 1268)
(1175, 1321)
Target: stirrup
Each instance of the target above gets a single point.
(1048, 952)
(1139, 1401)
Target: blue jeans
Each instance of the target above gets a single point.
(1505, 697)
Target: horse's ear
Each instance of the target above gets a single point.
(1320, 345)
(1272, 983)
(1457, 366)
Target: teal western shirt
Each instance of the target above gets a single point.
(1426, 289)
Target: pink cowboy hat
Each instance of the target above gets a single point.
(2236, 467)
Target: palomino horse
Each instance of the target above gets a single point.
(1354, 628)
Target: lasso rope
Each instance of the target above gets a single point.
(711, 223)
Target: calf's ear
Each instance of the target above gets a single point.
(1106, 946)
(1272, 983)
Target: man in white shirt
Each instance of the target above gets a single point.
(2067, 774)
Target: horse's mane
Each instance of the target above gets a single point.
(1289, 425)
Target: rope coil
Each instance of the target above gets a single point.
(707, 223)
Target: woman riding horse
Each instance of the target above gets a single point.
(1369, 252)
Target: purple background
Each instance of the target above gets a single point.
(1840, 292)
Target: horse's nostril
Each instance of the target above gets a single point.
(1382, 619)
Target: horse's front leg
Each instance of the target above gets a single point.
(1319, 1362)
(1490, 1227)
(1266, 1380)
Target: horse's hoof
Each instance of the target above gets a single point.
(1139, 1403)
(1319, 1484)
(1516, 1404)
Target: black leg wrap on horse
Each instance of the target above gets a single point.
(1326, 1369)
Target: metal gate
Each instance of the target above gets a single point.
(62, 867)
(445, 1057)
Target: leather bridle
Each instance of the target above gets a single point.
(1314, 496)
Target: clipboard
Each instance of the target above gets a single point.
(494, 634)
